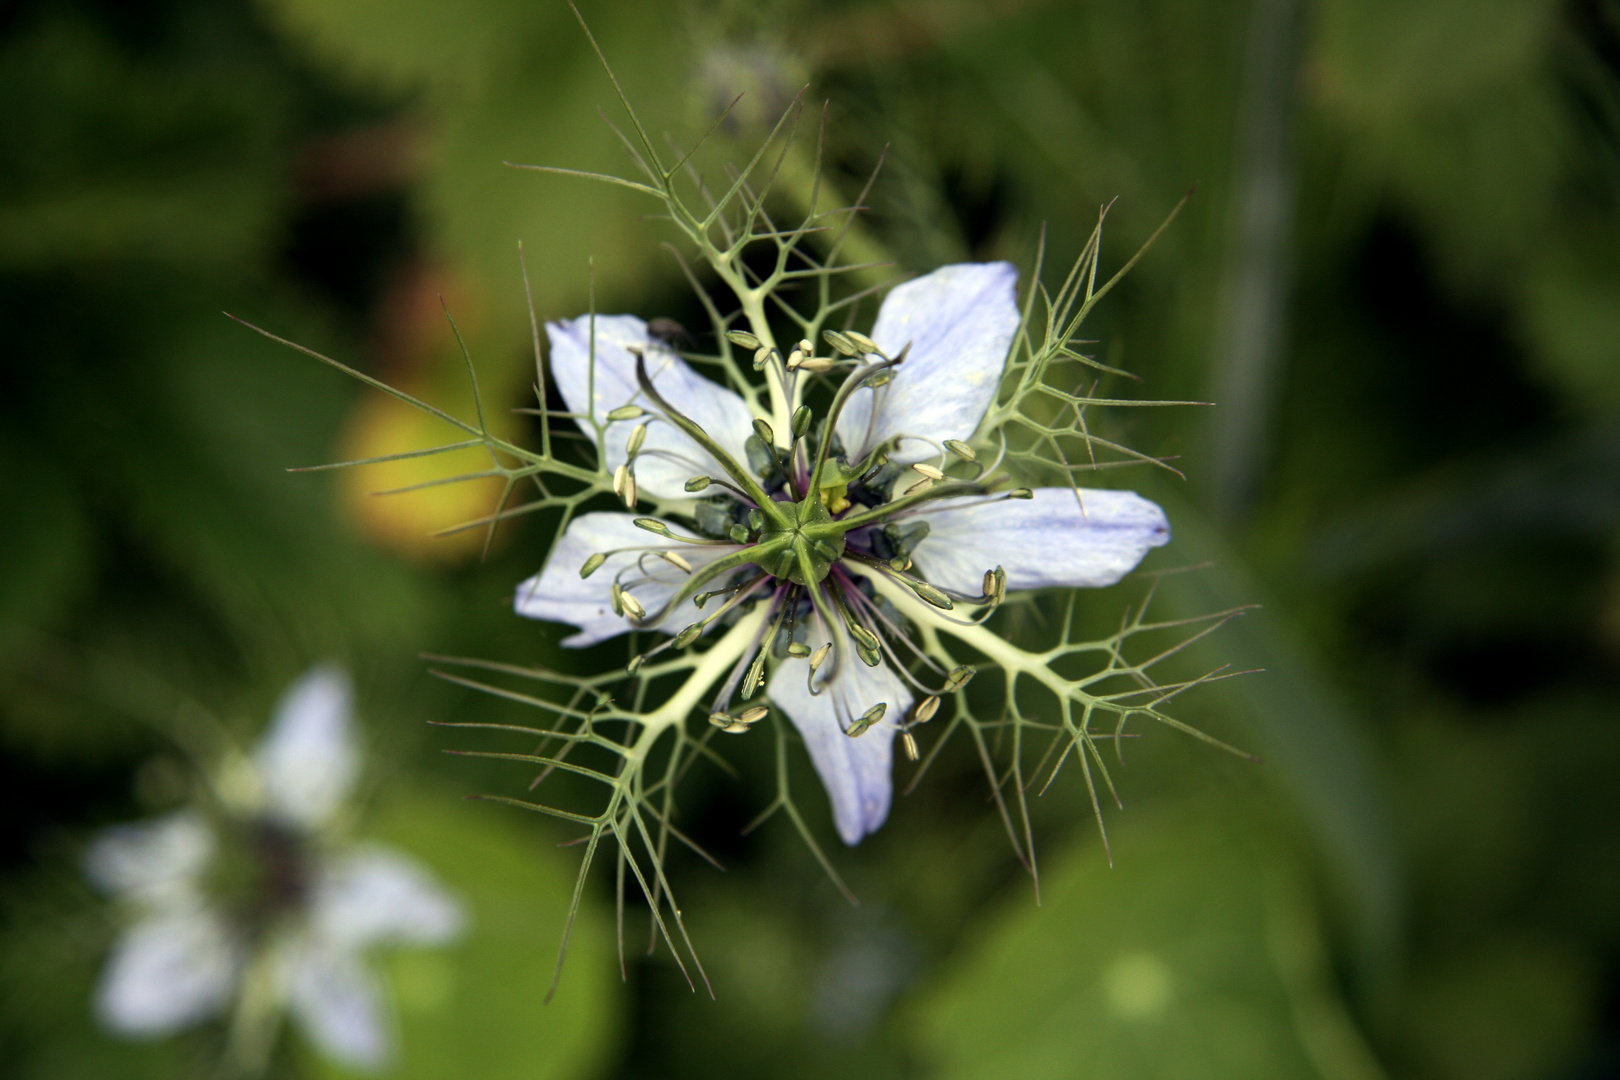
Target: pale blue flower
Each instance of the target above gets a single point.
(954, 329)
(305, 914)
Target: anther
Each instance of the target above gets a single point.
(961, 449)
(620, 476)
(959, 677)
(630, 491)
(763, 430)
(922, 485)
(689, 635)
(762, 355)
(805, 347)
(819, 656)
(839, 342)
(738, 534)
(925, 710)
(652, 525)
(637, 437)
(797, 650)
(626, 412)
(862, 342)
(635, 663)
(592, 565)
(756, 519)
(1020, 493)
(816, 364)
(631, 605)
(929, 471)
(931, 594)
(754, 715)
(795, 358)
(697, 483)
(909, 741)
(674, 558)
(742, 338)
(721, 720)
(801, 421)
(866, 720)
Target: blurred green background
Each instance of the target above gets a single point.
(1399, 277)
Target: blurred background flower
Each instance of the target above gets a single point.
(1399, 276)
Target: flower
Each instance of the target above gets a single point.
(822, 524)
(256, 911)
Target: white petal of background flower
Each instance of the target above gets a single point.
(668, 458)
(855, 772)
(1041, 542)
(960, 321)
(168, 972)
(339, 1005)
(372, 894)
(309, 757)
(559, 594)
(153, 862)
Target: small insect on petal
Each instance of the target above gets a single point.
(592, 565)
(961, 449)
(637, 437)
(866, 720)
(626, 412)
(742, 338)
(676, 560)
(929, 471)
(697, 483)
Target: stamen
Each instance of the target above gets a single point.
(959, 677)
(925, 710)
(626, 412)
(630, 491)
(621, 476)
(961, 449)
(840, 342)
(922, 485)
(801, 422)
(676, 560)
(637, 437)
(652, 525)
(763, 430)
(866, 720)
(742, 338)
(697, 483)
(929, 471)
(762, 356)
(862, 342)
(816, 365)
(592, 565)
(819, 656)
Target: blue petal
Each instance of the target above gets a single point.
(855, 771)
(1053, 539)
(668, 458)
(959, 321)
(557, 592)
